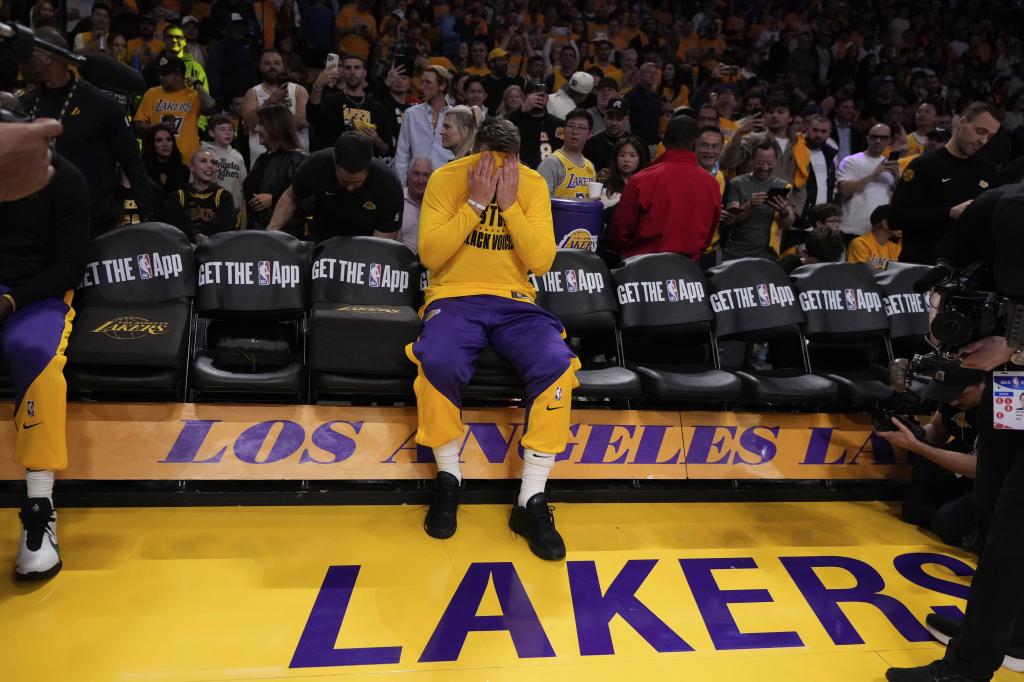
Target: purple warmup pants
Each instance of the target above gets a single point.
(457, 330)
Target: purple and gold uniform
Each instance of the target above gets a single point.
(479, 294)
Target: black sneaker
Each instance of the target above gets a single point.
(440, 522)
(536, 521)
(936, 671)
(945, 629)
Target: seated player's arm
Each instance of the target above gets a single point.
(528, 216)
(447, 217)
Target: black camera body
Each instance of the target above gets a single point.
(963, 313)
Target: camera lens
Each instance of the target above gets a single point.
(951, 328)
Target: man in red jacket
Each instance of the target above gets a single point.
(673, 206)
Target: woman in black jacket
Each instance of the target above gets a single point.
(163, 161)
(274, 170)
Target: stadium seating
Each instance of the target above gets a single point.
(133, 315)
(365, 292)
(754, 302)
(251, 317)
(846, 327)
(907, 309)
(666, 325)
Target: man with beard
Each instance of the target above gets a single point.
(936, 187)
(274, 89)
(96, 133)
(539, 131)
(146, 47)
(599, 147)
(334, 111)
(821, 172)
(496, 82)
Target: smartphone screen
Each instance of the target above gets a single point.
(778, 192)
(895, 155)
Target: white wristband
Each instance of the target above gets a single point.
(476, 204)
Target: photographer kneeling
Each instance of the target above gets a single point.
(941, 492)
(989, 232)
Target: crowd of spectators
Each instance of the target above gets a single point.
(806, 117)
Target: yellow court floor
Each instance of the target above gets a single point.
(770, 592)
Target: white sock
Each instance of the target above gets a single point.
(447, 457)
(39, 483)
(536, 467)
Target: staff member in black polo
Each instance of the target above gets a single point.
(937, 186)
(96, 134)
(353, 193)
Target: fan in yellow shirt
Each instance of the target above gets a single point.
(485, 224)
(875, 248)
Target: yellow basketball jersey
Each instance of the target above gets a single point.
(574, 184)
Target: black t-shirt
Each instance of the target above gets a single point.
(338, 113)
(598, 150)
(496, 87)
(932, 184)
(540, 135)
(44, 239)
(960, 426)
(376, 206)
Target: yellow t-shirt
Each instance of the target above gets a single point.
(914, 148)
(574, 183)
(729, 129)
(490, 254)
(866, 249)
(135, 45)
(178, 110)
(353, 43)
(611, 71)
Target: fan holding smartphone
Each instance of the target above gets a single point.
(759, 202)
(274, 88)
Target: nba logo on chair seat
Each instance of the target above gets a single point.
(762, 294)
(851, 300)
(264, 273)
(375, 275)
(570, 281)
(672, 289)
(145, 266)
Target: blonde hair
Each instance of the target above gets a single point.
(468, 120)
(443, 75)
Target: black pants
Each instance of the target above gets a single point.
(994, 622)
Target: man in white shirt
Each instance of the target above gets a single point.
(864, 181)
(415, 185)
(420, 134)
(274, 88)
(571, 95)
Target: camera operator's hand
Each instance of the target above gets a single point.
(986, 354)
(25, 157)
(901, 437)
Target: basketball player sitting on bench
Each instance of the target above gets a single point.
(485, 224)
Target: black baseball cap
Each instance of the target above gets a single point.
(619, 107)
(535, 86)
(169, 63)
(608, 82)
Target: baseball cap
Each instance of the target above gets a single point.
(619, 107)
(535, 86)
(600, 37)
(497, 53)
(168, 63)
(581, 82)
(889, 79)
(235, 16)
(608, 82)
(189, 20)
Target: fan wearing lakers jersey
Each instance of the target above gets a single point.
(485, 224)
(566, 171)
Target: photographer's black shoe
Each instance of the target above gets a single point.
(945, 629)
(936, 671)
(536, 522)
(441, 522)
